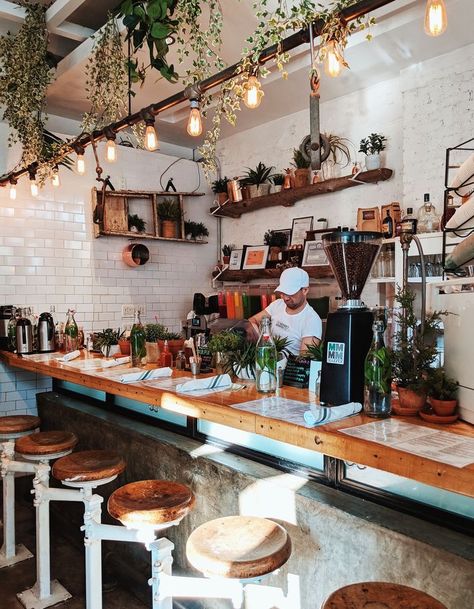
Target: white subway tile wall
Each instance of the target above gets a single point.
(49, 257)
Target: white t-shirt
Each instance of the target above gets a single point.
(294, 327)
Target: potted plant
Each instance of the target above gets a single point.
(277, 182)
(256, 180)
(175, 340)
(169, 213)
(219, 188)
(322, 223)
(152, 334)
(221, 345)
(314, 352)
(107, 342)
(242, 360)
(195, 230)
(339, 155)
(136, 224)
(372, 146)
(226, 252)
(442, 391)
(302, 170)
(413, 353)
(124, 344)
(276, 241)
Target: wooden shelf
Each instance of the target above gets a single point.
(242, 276)
(141, 236)
(287, 198)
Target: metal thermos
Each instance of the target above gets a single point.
(46, 341)
(24, 336)
(234, 190)
(6, 312)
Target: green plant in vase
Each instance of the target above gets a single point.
(257, 180)
(302, 171)
(226, 252)
(136, 224)
(195, 230)
(105, 340)
(372, 146)
(442, 391)
(169, 212)
(219, 188)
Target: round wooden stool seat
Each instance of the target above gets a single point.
(150, 502)
(239, 547)
(88, 465)
(46, 443)
(18, 423)
(380, 595)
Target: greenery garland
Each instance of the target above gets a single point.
(25, 74)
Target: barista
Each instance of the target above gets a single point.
(292, 316)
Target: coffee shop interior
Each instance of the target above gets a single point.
(237, 304)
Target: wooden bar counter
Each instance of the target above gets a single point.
(326, 439)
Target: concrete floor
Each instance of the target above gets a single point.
(67, 565)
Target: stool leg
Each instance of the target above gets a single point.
(93, 551)
(161, 563)
(9, 552)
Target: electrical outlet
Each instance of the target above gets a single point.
(129, 310)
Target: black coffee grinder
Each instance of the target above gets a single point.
(351, 255)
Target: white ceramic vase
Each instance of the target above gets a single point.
(372, 161)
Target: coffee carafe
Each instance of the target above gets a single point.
(46, 341)
(24, 336)
(6, 313)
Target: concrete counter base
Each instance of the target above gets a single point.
(337, 539)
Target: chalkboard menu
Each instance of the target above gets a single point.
(297, 372)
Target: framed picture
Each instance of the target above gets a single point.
(255, 257)
(285, 231)
(314, 254)
(299, 229)
(235, 262)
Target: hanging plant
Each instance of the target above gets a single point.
(25, 73)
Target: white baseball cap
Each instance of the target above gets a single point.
(292, 280)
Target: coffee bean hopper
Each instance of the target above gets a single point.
(351, 255)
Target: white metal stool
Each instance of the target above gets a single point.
(84, 471)
(39, 449)
(11, 428)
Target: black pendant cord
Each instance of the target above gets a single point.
(295, 40)
(129, 55)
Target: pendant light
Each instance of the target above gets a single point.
(253, 92)
(194, 127)
(80, 162)
(436, 19)
(33, 184)
(150, 141)
(55, 180)
(110, 147)
(332, 60)
(13, 184)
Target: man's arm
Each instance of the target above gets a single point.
(306, 341)
(256, 319)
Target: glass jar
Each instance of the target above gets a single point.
(378, 376)
(180, 362)
(266, 360)
(71, 332)
(428, 219)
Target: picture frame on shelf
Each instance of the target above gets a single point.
(299, 228)
(285, 231)
(255, 257)
(235, 262)
(314, 254)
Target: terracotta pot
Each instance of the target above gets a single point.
(226, 259)
(169, 229)
(245, 193)
(302, 177)
(411, 399)
(443, 408)
(173, 345)
(124, 347)
(135, 254)
(222, 197)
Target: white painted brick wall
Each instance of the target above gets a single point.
(48, 256)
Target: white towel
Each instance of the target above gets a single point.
(145, 375)
(67, 357)
(118, 361)
(320, 415)
(212, 384)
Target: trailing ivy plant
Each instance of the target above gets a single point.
(25, 73)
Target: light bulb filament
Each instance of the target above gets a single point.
(151, 139)
(111, 151)
(194, 127)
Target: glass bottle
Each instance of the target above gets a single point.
(137, 341)
(387, 226)
(428, 219)
(180, 363)
(378, 376)
(71, 332)
(409, 222)
(166, 356)
(449, 211)
(266, 360)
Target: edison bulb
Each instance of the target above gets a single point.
(55, 181)
(34, 188)
(80, 164)
(12, 192)
(111, 151)
(332, 62)
(253, 93)
(436, 19)
(195, 121)
(151, 139)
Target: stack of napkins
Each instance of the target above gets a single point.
(145, 375)
(320, 415)
(212, 384)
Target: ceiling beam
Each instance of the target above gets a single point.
(16, 14)
(60, 10)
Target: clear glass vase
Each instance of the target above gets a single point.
(378, 376)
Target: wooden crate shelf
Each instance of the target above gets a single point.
(242, 276)
(287, 198)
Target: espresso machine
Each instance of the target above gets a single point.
(348, 336)
(46, 330)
